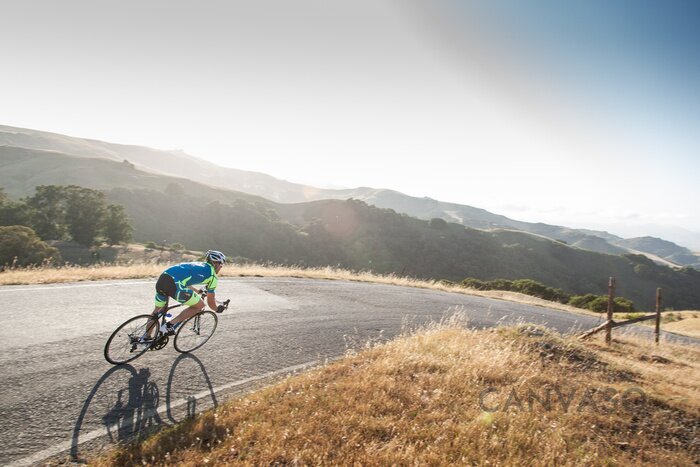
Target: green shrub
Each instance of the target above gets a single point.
(526, 286)
(623, 305)
(582, 301)
(599, 303)
(501, 284)
(151, 245)
(177, 247)
(536, 289)
(471, 283)
(17, 241)
(438, 224)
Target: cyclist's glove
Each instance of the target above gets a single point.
(223, 306)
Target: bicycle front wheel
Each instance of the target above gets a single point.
(130, 340)
(195, 331)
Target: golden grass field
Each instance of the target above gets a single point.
(447, 395)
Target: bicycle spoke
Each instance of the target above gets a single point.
(195, 332)
(128, 341)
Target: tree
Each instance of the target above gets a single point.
(18, 241)
(438, 224)
(12, 212)
(85, 210)
(116, 227)
(48, 216)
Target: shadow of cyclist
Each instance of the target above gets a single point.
(128, 402)
(133, 412)
(138, 413)
(187, 390)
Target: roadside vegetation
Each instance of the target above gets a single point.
(592, 302)
(447, 395)
(54, 213)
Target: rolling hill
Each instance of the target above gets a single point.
(348, 233)
(180, 164)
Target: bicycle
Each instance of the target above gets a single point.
(133, 338)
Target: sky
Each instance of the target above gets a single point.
(579, 113)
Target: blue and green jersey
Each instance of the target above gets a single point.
(191, 274)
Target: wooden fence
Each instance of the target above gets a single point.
(609, 324)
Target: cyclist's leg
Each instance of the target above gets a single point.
(154, 313)
(193, 303)
(164, 287)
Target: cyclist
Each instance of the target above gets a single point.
(178, 282)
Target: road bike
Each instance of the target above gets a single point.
(142, 333)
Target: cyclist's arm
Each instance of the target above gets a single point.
(211, 300)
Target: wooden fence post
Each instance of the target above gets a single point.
(657, 330)
(611, 303)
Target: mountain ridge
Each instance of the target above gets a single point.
(178, 163)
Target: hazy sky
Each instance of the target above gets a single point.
(576, 113)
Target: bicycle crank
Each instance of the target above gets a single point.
(160, 343)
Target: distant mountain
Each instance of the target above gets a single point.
(22, 169)
(663, 249)
(179, 164)
(175, 163)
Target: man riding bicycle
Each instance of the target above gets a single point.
(178, 283)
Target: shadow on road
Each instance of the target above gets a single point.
(124, 403)
(184, 391)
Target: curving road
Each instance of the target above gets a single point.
(59, 398)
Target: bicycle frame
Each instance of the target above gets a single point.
(162, 314)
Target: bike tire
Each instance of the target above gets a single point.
(121, 347)
(195, 331)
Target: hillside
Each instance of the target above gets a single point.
(354, 235)
(180, 164)
(350, 234)
(451, 396)
(664, 249)
(173, 163)
(21, 170)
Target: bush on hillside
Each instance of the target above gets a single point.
(623, 305)
(438, 224)
(530, 287)
(582, 301)
(525, 286)
(599, 303)
(22, 243)
(472, 283)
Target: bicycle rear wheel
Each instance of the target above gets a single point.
(195, 331)
(126, 344)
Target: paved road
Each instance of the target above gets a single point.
(60, 398)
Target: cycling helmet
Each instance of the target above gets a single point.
(215, 256)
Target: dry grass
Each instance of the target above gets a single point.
(415, 400)
(72, 273)
(682, 322)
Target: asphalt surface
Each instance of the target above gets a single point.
(60, 398)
